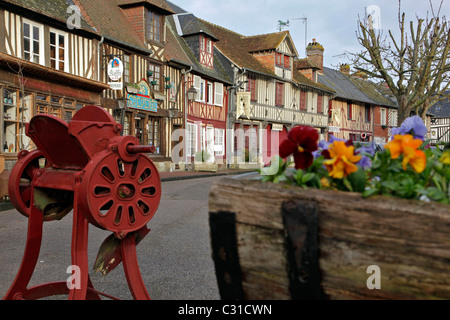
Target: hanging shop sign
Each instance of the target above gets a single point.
(142, 100)
(115, 69)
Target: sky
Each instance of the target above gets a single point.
(332, 23)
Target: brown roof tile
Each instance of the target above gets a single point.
(262, 42)
(110, 21)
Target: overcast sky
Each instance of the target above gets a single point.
(332, 23)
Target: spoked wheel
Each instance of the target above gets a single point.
(19, 186)
(120, 196)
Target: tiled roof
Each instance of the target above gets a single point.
(109, 18)
(238, 49)
(190, 25)
(369, 89)
(305, 64)
(232, 45)
(343, 86)
(441, 109)
(262, 42)
(161, 4)
(302, 80)
(56, 9)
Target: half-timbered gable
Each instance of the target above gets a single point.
(148, 18)
(275, 50)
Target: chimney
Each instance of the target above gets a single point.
(314, 52)
(344, 68)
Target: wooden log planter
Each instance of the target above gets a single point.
(272, 241)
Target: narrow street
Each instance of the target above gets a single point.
(175, 257)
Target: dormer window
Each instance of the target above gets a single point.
(206, 51)
(153, 26)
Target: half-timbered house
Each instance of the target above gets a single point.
(193, 47)
(143, 99)
(383, 112)
(46, 66)
(269, 95)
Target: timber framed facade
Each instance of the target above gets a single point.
(44, 68)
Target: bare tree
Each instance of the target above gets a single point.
(415, 65)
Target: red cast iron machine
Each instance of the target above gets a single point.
(88, 167)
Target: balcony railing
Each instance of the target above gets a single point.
(279, 114)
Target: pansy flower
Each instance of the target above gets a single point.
(407, 146)
(445, 158)
(413, 126)
(341, 159)
(301, 142)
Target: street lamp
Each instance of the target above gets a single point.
(192, 94)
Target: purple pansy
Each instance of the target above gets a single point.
(412, 125)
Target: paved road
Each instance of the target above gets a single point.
(175, 257)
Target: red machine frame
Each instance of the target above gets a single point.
(84, 165)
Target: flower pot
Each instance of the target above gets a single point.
(274, 241)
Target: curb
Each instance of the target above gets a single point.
(7, 205)
(206, 175)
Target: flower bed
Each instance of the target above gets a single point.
(407, 167)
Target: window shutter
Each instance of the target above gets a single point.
(218, 94)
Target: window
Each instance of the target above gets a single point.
(153, 26)
(206, 52)
(279, 94)
(209, 46)
(209, 93)
(383, 116)
(58, 51)
(126, 68)
(220, 142)
(278, 59)
(287, 62)
(191, 139)
(349, 111)
(252, 88)
(155, 78)
(17, 111)
(153, 131)
(32, 42)
(218, 94)
(367, 112)
(197, 84)
(303, 98)
(201, 96)
(319, 103)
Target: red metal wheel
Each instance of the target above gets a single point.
(19, 184)
(120, 196)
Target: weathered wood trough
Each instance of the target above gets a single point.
(274, 241)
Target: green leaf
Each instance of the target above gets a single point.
(358, 180)
(370, 192)
(307, 177)
(435, 194)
